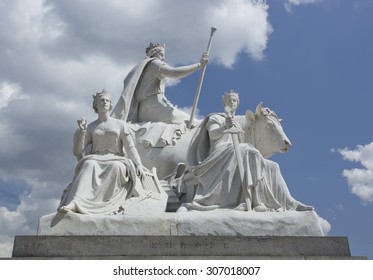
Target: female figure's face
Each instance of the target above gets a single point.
(104, 104)
(232, 102)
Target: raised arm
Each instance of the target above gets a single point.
(166, 71)
(80, 139)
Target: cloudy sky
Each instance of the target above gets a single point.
(309, 60)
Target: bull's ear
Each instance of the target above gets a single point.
(258, 110)
(250, 116)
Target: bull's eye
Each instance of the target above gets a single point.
(269, 126)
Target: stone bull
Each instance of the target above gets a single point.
(262, 129)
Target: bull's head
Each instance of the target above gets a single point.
(265, 131)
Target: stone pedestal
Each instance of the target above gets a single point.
(181, 247)
(188, 235)
(209, 223)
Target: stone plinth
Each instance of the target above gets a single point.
(188, 235)
(180, 247)
(211, 223)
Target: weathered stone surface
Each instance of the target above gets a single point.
(217, 223)
(197, 247)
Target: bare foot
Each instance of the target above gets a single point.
(182, 209)
(64, 210)
(71, 207)
(302, 207)
(260, 208)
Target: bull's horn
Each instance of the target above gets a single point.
(259, 108)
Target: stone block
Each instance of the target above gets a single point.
(210, 223)
(188, 247)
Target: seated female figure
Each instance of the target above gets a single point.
(233, 175)
(111, 173)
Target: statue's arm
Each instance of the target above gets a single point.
(215, 128)
(166, 71)
(80, 138)
(132, 153)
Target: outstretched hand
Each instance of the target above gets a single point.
(204, 59)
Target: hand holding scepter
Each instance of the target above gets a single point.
(213, 29)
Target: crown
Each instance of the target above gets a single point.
(230, 92)
(98, 94)
(153, 46)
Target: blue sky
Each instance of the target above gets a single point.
(310, 61)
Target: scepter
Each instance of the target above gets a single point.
(196, 97)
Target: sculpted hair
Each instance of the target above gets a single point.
(153, 49)
(97, 96)
(228, 94)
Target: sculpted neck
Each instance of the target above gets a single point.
(103, 116)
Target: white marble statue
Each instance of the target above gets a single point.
(219, 163)
(262, 129)
(234, 175)
(143, 99)
(109, 179)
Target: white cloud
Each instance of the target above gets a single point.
(360, 180)
(120, 28)
(290, 3)
(237, 32)
(11, 223)
(10, 92)
(325, 226)
(188, 110)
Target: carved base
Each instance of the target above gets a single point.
(181, 247)
(189, 235)
(211, 223)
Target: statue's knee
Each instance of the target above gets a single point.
(116, 165)
(89, 163)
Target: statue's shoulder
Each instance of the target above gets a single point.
(217, 118)
(157, 63)
(92, 125)
(118, 122)
(124, 126)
